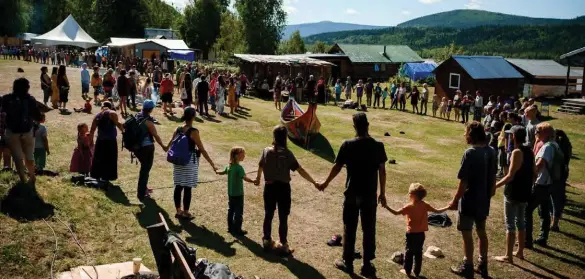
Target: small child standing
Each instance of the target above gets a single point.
(435, 105)
(41, 146)
(236, 175)
(449, 109)
(384, 96)
(96, 83)
(83, 153)
(85, 81)
(443, 108)
(416, 213)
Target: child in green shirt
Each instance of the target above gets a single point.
(236, 177)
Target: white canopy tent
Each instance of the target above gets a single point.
(67, 33)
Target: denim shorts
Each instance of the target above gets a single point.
(514, 215)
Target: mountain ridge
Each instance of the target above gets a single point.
(312, 28)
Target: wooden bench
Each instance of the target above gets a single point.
(164, 259)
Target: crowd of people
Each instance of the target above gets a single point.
(511, 149)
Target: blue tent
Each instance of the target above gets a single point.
(185, 55)
(418, 71)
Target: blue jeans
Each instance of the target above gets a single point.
(558, 199)
(212, 102)
(540, 198)
(514, 215)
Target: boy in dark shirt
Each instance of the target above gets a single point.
(477, 179)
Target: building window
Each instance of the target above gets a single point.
(383, 67)
(454, 81)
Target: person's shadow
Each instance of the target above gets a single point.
(296, 267)
(24, 204)
(202, 237)
(148, 216)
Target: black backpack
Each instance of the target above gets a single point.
(134, 133)
(17, 114)
(189, 253)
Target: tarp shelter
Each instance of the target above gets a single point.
(185, 55)
(418, 71)
(67, 33)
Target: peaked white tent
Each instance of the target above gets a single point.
(67, 33)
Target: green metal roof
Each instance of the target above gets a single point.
(375, 53)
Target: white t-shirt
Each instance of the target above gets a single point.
(478, 101)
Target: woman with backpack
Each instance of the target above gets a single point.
(63, 85)
(21, 113)
(185, 176)
(105, 160)
(559, 195)
(145, 151)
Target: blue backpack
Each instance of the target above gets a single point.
(179, 153)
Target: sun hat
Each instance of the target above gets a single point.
(434, 252)
(148, 104)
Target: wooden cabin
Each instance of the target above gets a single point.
(492, 75)
(268, 66)
(378, 62)
(543, 78)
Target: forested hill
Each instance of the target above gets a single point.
(473, 18)
(535, 41)
(308, 29)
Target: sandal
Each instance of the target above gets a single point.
(186, 215)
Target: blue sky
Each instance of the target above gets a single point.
(392, 12)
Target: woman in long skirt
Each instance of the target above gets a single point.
(105, 160)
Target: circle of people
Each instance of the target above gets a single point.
(530, 158)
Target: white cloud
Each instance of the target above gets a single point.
(473, 4)
(351, 11)
(405, 12)
(288, 6)
(429, 1)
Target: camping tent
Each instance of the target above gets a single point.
(418, 71)
(67, 33)
(186, 55)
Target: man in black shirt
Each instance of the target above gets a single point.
(202, 95)
(299, 85)
(311, 89)
(364, 158)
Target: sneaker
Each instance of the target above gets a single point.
(541, 242)
(341, 265)
(368, 271)
(482, 269)
(464, 270)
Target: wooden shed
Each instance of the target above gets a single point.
(543, 78)
(268, 66)
(378, 62)
(492, 75)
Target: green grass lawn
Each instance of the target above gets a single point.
(110, 225)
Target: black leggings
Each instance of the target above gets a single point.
(202, 99)
(186, 197)
(276, 195)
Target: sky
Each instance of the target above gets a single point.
(393, 12)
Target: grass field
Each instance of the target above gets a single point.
(110, 225)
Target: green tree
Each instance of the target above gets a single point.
(319, 47)
(121, 18)
(202, 24)
(264, 21)
(231, 38)
(296, 44)
(13, 17)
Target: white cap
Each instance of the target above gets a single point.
(434, 252)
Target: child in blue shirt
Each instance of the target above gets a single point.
(338, 90)
(377, 95)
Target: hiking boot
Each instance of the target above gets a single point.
(268, 244)
(482, 269)
(464, 270)
(541, 242)
(343, 266)
(368, 270)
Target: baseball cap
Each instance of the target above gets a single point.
(148, 104)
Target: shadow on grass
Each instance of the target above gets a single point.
(534, 273)
(573, 222)
(554, 273)
(202, 237)
(320, 146)
(581, 258)
(115, 194)
(24, 204)
(296, 267)
(148, 216)
(577, 264)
